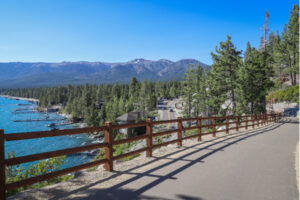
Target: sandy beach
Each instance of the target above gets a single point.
(20, 98)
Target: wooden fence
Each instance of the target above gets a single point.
(237, 121)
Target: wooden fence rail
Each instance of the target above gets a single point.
(211, 125)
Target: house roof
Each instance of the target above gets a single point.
(132, 116)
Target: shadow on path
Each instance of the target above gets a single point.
(117, 192)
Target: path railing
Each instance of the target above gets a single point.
(210, 127)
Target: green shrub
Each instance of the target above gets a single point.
(189, 132)
(290, 94)
(18, 173)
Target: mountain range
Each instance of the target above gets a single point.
(21, 74)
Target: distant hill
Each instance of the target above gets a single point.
(19, 74)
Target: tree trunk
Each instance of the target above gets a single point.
(291, 70)
(264, 104)
(233, 100)
(291, 77)
(294, 63)
(232, 93)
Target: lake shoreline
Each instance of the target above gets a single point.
(67, 116)
(32, 100)
(24, 147)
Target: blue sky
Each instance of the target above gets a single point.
(117, 31)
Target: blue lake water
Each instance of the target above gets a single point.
(32, 146)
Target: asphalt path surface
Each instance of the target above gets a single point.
(257, 164)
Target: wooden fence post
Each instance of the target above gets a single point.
(257, 119)
(247, 122)
(266, 118)
(214, 125)
(253, 122)
(179, 133)
(149, 138)
(280, 115)
(227, 124)
(237, 123)
(199, 124)
(260, 119)
(271, 117)
(2, 166)
(108, 137)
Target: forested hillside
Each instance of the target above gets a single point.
(81, 101)
(237, 82)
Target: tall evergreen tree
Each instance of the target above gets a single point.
(200, 96)
(223, 76)
(254, 81)
(292, 38)
(287, 56)
(143, 98)
(188, 92)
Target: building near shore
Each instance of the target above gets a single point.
(133, 117)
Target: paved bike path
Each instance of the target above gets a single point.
(261, 166)
(258, 164)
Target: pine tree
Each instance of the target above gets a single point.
(188, 91)
(143, 98)
(172, 91)
(254, 81)
(200, 96)
(133, 87)
(292, 38)
(223, 76)
(102, 115)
